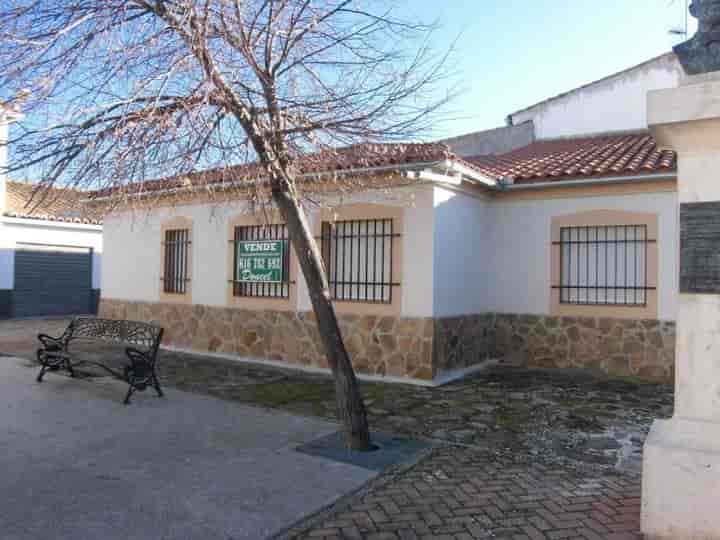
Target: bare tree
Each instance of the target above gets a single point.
(117, 92)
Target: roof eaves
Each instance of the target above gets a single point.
(469, 171)
(587, 181)
(53, 219)
(309, 176)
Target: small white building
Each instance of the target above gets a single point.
(50, 247)
(551, 242)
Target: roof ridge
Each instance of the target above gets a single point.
(597, 135)
(40, 185)
(578, 139)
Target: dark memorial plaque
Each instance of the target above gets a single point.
(700, 247)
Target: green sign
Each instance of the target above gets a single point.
(260, 261)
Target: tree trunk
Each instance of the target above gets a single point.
(351, 409)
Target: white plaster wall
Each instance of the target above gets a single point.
(519, 248)
(131, 268)
(15, 231)
(461, 255)
(617, 103)
(418, 250)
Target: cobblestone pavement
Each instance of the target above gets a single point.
(520, 453)
(572, 417)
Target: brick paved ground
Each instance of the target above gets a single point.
(464, 494)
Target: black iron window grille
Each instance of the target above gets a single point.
(177, 248)
(604, 265)
(262, 290)
(358, 255)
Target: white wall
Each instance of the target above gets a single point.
(617, 103)
(131, 266)
(462, 253)
(519, 248)
(15, 231)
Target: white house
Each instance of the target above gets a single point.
(50, 246)
(550, 242)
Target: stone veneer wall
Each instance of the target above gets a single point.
(386, 346)
(463, 341)
(419, 348)
(625, 347)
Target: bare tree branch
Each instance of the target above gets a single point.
(119, 92)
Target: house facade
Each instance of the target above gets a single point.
(50, 247)
(551, 242)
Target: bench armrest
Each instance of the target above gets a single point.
(136, 355)
(52, 343)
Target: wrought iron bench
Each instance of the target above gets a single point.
(139, 373)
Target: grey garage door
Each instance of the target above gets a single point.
(52, 280)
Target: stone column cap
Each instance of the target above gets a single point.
(687, 103)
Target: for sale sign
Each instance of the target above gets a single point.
(260, 261)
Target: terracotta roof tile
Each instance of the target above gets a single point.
(24, 200)
(361, 156)
(579, 158)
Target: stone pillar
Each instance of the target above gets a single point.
(681, 462)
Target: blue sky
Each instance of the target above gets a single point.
(513, 53)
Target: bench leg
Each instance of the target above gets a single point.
(43, 363)
(69, 367)
(131, 389)
(39, 378)
(156, 385)
(44, 366)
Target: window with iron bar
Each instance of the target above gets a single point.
(604, 265)
(175, 277)
(262, 290)
(358, 255)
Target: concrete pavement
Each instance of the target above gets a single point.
(77, 464)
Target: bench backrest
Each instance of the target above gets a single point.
(136, 333)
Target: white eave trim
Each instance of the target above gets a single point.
(472, 174)
(453, 173)
(633, 179)
(7, 220)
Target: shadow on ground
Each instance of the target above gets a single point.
(573, 417)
